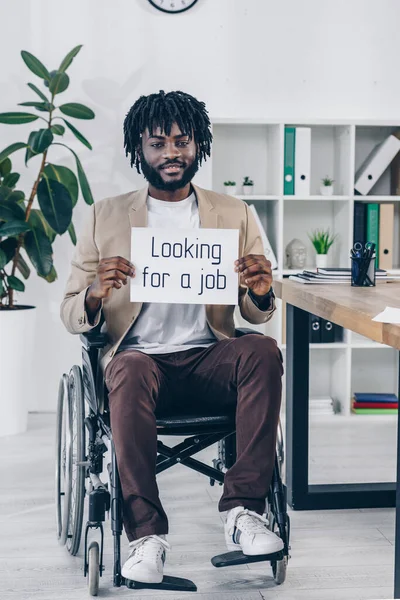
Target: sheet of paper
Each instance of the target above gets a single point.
(389, 315)
(188, 266)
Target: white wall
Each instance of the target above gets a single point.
(244, 58)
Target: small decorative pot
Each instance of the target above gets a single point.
(230, 190)
(326, 190)
(248, 190)
(321, 261)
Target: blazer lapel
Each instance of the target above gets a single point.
(138, 209)
(209, 217)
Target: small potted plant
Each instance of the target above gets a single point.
(327, 186)
(322, 241)
(248, 185)
(230, 187)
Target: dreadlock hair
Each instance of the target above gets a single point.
(162, 110)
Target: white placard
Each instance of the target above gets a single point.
(184, 266)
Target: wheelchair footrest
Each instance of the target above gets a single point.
(238, 558)
(178, 584)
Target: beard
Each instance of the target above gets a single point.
(154, 177)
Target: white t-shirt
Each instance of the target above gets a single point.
(162, 328)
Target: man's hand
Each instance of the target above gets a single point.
(110, 273)
(255, 272)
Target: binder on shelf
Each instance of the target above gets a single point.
(360, 227)
(372, 232)
(269, 253)
(386, 233)
(289, 166)
(395, 172)
(375, 164)
(315, 329)
(302, 161)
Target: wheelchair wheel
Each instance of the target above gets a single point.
(93, 569)
(70, 473)
(279, 567)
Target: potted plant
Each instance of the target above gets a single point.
(322, 241)
(230, 187)
(248, 185)
(26, 233)
(327, 186)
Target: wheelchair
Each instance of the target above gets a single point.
(84, 437)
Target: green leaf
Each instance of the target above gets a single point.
(78, 134)
(56, 204)
(11, 180)
(79, 111)
(37, 221)
(58, 129)
(69, 58)
(59, 83)
(17, 118)
(3, 259)
(2, 290)
(7, 193)
(11, 228)
(52, 276)
(8, 246)
(40, 252)
(42, 106)
(9, 150)
(85, 187)
(41, 140)
(10, 210)
(15, 283)
(35, 65)
(72, 234)
(29, 152)
(23, 267)
(38, 92)
(5, 167)
(66, 177)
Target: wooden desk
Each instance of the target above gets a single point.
(352, 308)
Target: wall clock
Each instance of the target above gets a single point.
(173, 6)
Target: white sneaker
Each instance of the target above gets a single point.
(247, 531)
(146, 559)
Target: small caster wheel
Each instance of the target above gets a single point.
(279, 568)
(93, 569)
(212, 482)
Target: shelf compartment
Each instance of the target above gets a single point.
(330, 157)
(247, 150)
(367, 137)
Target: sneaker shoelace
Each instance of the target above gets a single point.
(250, 522)
(149, 548)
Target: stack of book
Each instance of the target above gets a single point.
(321, 406)
(374, 404)
(332, 275)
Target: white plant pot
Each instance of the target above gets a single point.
(248, 190)
(230, 190)
(17, 331)
(321, 261)
(326, 190)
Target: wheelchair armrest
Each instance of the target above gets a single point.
(95, 338)
(245, 331)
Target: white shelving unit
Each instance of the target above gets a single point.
(255, 148)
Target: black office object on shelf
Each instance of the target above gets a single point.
(323, 331)
(315, 329)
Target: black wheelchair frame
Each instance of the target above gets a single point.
(79, 459)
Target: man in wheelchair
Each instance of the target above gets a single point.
(182, 358)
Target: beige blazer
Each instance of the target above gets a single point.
(107, 233)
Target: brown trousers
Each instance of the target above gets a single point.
(242, 374)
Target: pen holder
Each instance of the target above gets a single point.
(363, 271)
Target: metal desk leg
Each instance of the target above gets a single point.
(397, 534)
(297, 382)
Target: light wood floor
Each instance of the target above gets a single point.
(336, 555)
